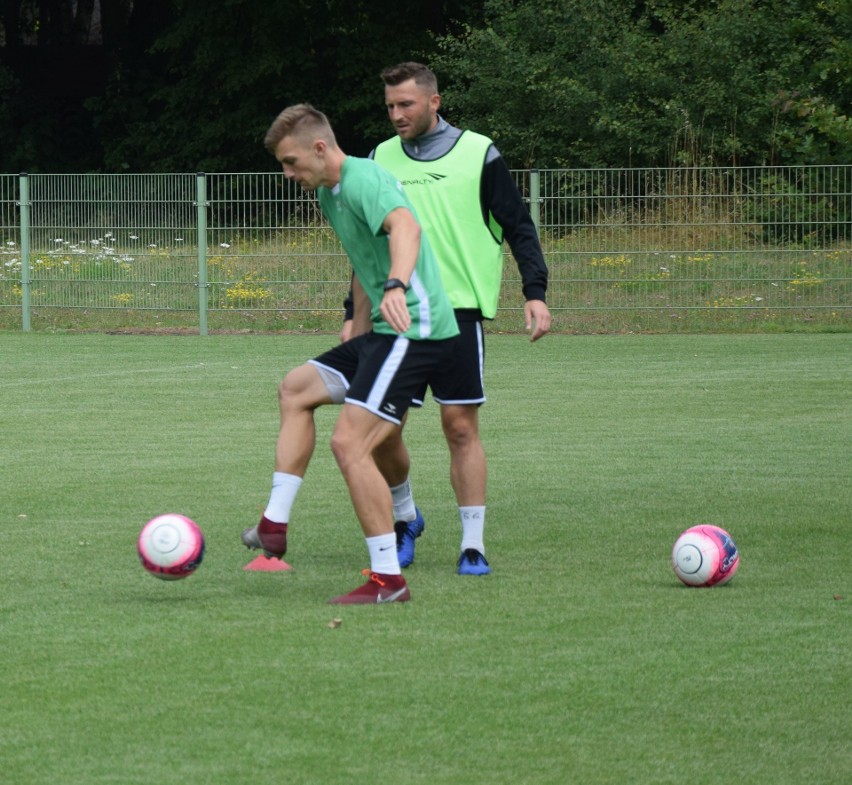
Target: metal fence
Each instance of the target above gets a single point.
(657, 249)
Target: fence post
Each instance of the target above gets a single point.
(535, 201)
(201, 213)
(26, 276)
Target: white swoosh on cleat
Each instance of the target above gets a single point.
(391, 597)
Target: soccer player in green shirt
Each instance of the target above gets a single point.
(406, 329)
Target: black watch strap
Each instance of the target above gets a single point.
(395, 283)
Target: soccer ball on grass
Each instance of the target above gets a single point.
(705, 555)
(170, 546)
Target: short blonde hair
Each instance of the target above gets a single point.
(302, 121)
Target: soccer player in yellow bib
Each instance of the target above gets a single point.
(468, 204)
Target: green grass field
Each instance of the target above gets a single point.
(581, 659)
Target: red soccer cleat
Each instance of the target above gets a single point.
(378, 589)
(268, 535)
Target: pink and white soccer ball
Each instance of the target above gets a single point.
(171, 546)
(705, 555)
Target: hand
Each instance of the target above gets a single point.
(537, 318)
(394, 310)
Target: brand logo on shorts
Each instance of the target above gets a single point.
(389, 408)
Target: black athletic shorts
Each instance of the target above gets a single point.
(459, 380)
(385, 374)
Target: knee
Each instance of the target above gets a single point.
(286, 388)
(294, 390)
(341, 449)
(460, 428)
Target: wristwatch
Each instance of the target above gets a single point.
(395, 283)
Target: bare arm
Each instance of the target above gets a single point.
(361, 321)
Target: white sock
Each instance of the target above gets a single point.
(383, 558)
(403, 502)
(284, 490)
(473, 525)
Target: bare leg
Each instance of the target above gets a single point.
(356, 435)
(468, 469)
(392, 458)
(299, 394)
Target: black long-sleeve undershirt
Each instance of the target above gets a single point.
(500, 196)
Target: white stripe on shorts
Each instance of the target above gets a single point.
(385, 376)
(480, 340)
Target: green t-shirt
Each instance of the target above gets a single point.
(356, 209)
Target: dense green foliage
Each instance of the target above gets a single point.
(621, 83)
(182, 85)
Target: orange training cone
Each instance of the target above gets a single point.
(265, 564)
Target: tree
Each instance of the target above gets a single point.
(817, 126)
(588, 83)
(202, 93)
(52, 59)
(156, 85)
(181, 85)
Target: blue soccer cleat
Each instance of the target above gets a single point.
(406, 533)
(472, 562)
